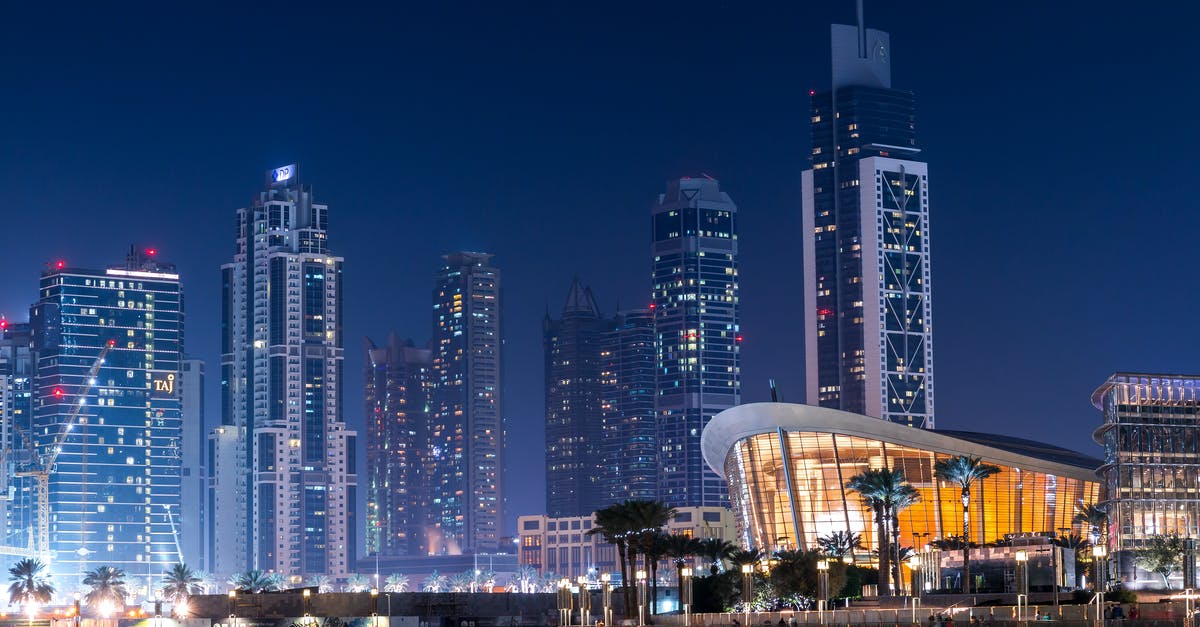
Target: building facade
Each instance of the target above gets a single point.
(787, 466)
(562, 545)
(868, 316)
(572, 347)
(695, 303)
(628, 444)
(191, 521)
(1150, 435)
(466, 449)
(110, 441)
(16, 413)
(398, 396)
(281, 384)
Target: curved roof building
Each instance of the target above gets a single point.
(786, 466)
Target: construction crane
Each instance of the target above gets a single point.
(41, 468)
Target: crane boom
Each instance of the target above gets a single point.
(42, 468)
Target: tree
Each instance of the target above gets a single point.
(179, 583)
(322, 583)
(396, 582)
(748, 556)
(207, 584)
(434, 582)
(964, 471)
(679, 548)
(715, 551)
(257, 581)
(646, 520)
(903, 497)
(462, 582)
(613, 524)
(1161, 554)
(29, 583)
(358, 583)
(839, 544)
(1096, 518)
(107, 588)
(881, 489)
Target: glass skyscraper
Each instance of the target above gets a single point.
(293, 486)
(398, 388)
(695, 302)
(868, 320)
(465, 460)
(573, 404)
(114, 487)
(628, 448)
(16, 413)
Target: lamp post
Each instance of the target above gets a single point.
(914, 565)
(1022, 583)
(374, 607)
(306, 601)
(78, 614)
(822, 588)
(747, 588)
(585, 601)
(685, 595)
(641, 594)
(1099, 557)
(233, 607)
(564, 601)
(606, 596)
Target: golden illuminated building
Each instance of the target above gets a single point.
(786, 466)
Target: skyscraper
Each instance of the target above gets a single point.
(628, 447)
(192, 518)
(867, 317)
(281, 387)
(16, 412)
(466, 432)
(114, 484)
(398, 388)
(572, 347)
(695, 301)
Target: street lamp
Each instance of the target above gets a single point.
(642, 594)
(914, 564)
(822, 588)
(606, 597)
(307, 602)
(685, 595)
(1099, 555)
(585, 601)
(747, 588)
(564, 601)
(1022, 583)
(78, 615)
(375, 607)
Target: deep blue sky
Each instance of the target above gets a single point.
(1059, 137)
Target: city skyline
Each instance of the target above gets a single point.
(1006, 105)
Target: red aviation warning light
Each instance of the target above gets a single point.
(112, 343)
(739, 338)
(58, 392)
(60, 264)
(151, 251)
(3, 323)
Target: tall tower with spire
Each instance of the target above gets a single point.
(573, 345)
(868, 318)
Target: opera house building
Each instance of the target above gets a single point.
(786, 466)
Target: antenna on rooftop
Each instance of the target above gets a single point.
(776, 397)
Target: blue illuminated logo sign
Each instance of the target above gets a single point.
(284, 174)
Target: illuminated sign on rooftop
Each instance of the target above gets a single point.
(283, 175)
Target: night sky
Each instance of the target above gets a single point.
(1059, 136)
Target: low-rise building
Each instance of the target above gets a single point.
(565, 547)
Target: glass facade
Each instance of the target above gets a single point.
(1151, 474)
(114, 485)
(695, 302)
(629, 450)
(787, 478)
(466, 430)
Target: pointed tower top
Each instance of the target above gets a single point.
(579, 299)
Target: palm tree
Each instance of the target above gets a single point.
(107, 587)
(839, 544)
(434, 582)
(872, 485)
(29, 583)
(679, 549)
(358, 583)
(743, 557)
(1096, 518)
(715, 551)
(206, 581)
(396, 582)
(322, 583)
(964, 471)
(257, 581)
(902, 498)
(179, 583)
(654, 550)
(526, 579)
(612, 524)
